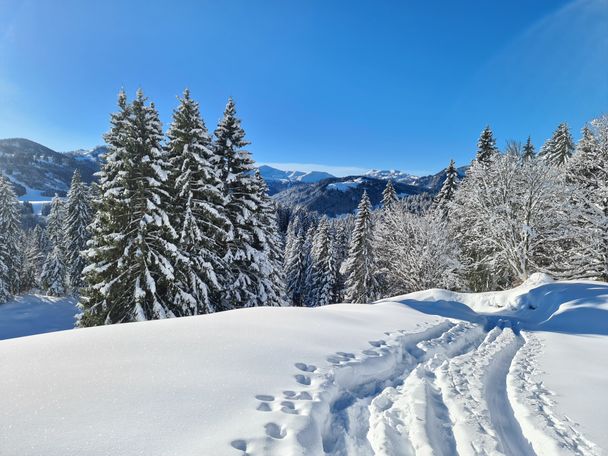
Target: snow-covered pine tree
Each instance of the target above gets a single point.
(132, 251)
(360, 267)
(446, 194)
(486, 146)
(295, 270)
(243, 284)
(10, 229)
(5, 288)
(33, 259)
(198, 211)
(78, 215)
(389, 195)
(271, 245)
(55, 224)
(322, 267)
(529, 151)
(559, 148)
(309, 235)
(54, 273)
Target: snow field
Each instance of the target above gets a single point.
(519, 372)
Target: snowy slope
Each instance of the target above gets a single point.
(515, 372)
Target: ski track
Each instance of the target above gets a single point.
(452, 388)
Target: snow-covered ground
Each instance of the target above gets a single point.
(36, 314)
(517, 372)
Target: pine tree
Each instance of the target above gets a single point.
(529, 151)
(34, 259)
(389, 195)
(55, 223)
(54, 273)
(559, 148)
(322, 267)
(309, 235)
(295, 270)
(360, 267)
(198, 211)
(271, 246)
(78, 214)
(486, 146)
(132, 251)
(446, 194)
(244, 282)
(10, 231)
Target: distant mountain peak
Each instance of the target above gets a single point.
(394, 175)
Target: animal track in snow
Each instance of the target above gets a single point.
(303, 379)
(306, 367)
(239, 445)
(289, 407)
(377, 343)
(275, 431)
(265, 397)
(301, 396)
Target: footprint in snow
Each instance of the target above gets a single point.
(301, 396)
(289, 407)
(346, 355)
(303, 379)
(306, 367)
(377, 343)
(265, 397)
(275, 431)
(239, 445)
(370, 353)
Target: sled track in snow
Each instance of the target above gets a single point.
(453, 388)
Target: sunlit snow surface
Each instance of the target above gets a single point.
(517, 372)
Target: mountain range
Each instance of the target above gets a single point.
(38, 173)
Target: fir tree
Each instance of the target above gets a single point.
(559, 148)
(389, 195)
(132, 251)
(295, 270)
(10, 229)
(529, 151)
(360, 267)
(53, 273)
(55, 224)
(271, 246)
(448, 189)
(34, 259)
(78, 214)
(198, 211)
(486, 146)
(244, 284)
(322, 267)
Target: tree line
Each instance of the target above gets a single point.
(180, 223)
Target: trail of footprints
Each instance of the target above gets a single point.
(268, 403)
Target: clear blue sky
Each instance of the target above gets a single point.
(359, 84)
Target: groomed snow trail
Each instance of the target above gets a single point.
(455, 388)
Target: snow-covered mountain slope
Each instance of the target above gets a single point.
(340, 195)
(279, 180)
(38, 172)
(517, 372)
(273, 174)
(393, 175)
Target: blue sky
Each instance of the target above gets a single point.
(341, 85)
